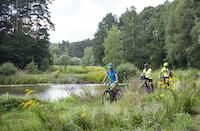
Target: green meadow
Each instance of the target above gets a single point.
(162, 110)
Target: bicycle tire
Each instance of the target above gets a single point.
(106, 96)
(119, 94)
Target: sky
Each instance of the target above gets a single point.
(76, 20)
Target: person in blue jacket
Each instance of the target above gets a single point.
(112, 74)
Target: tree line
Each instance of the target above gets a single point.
(169, 32)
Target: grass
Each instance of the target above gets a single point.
(59, 74)
(177, 110)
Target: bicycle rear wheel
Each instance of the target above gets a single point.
(118, 94)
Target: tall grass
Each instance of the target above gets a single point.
(60, 74)
(163, 110)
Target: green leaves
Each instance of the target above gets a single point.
(24, 34)
(113, 47)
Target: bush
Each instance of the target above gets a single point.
(7, 69)
(127, 70)
(32, 68)
(8, 102)
(45, 64)
(82, 120)
(75, 61)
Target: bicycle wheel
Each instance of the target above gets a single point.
(106, 96)
(118, 94)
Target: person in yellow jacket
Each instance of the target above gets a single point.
(164, 73)
(147, 76)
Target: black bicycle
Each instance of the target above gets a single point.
(111, 95)
(146, 85)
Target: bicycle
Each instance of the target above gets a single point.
(111, 95)
(146, 85)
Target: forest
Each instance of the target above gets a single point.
(169, 32)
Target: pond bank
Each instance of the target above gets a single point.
(59, 75)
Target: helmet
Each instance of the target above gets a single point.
(145, 65)
(110, 65)
(165, 64)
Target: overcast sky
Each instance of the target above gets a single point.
(76, 20)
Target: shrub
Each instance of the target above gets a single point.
(45, 64)
(75, 61)
(127, 70)
(7, 69)
(136, 119)
(32, 67)
(8, 102)
(82, 119)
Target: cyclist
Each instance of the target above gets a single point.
(112, 74)
(147, 76)
(165, 73)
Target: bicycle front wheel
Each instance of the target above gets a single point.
(106, 97)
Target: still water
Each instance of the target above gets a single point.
(49, 92)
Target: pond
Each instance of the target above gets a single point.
(49, 92)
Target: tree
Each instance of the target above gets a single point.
(76, 49)
(101, 34)
(153, 33)
(113, 47)
(75, 61)
(134, 51)
(64, 60)
(24, 27)
(88, 58)
(193, 50)
(178, 37)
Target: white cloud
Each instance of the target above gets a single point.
(78, 19)
(139, 4)
(79, 25)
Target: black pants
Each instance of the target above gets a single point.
(151, 81)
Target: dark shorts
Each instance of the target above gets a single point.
(150, 80)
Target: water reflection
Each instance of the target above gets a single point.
(50, 92)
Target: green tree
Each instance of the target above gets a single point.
(101, 34)
(75, 61)
(88, 58)
(24, 27)
(32, 67)
(113, 47)
(178, 37)
(153, 33)
(193, 50)
(133, 47)
(64, 60)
